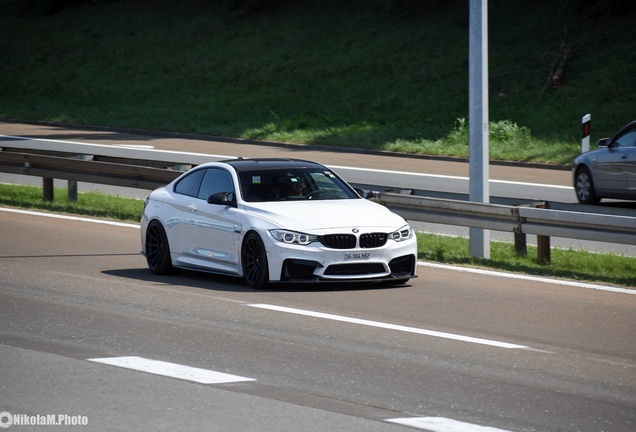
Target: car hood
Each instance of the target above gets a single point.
(325, 215)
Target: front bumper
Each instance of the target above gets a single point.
(315, 262)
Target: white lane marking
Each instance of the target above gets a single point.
(399, 172)
(73, 218)
(135, 146)
(528, 278)
(441, 424)
(109, 146)
(172, 370)
(414, 174)
(389, 326)
(143, 148)
(425, 264)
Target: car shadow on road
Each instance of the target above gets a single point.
(214, 282)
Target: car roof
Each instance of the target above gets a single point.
(264, 164)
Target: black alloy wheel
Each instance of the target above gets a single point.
(158, 249)
(254, 261)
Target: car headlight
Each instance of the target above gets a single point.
(404, 233)
(292, 237)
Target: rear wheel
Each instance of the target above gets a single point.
(158, 249)
(254, 261)
(584, 187)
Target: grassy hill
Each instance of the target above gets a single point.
(382, 74)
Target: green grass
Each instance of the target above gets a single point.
(565, 263)
(568, 264)
(94, 204)
(362, 73)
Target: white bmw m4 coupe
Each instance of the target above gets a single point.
(274, 221)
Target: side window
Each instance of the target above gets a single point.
(627, 140)
(215, 180)
(190, 184)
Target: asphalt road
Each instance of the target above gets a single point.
(453, 346)
(440, 178)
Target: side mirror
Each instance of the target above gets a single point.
(365, 193)
(222, 198)
(602, 142)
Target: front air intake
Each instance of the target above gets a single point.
(354, 269)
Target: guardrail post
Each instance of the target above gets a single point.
(72, 190)
(543, 242)
(72, 184)
(521, 245)
(543, 247)
(47, 189)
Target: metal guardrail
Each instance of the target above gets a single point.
(83, 168)
(533, 218)
(451, 212)
(580, 226)
(520, 220)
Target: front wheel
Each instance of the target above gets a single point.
(254, 261)
(158, 249)
(584, 187)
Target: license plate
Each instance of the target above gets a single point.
(357, 256)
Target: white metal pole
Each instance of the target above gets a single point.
(479, 190)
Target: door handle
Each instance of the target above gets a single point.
(192, 208)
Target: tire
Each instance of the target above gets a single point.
(254, 262)
(158, 250)
(584, 187)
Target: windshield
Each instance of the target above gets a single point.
(293, 185)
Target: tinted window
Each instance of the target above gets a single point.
(627, 140)
(215, 180)
(190, 184)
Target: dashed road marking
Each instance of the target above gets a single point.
(389, 326)
(172, 370)
(441, 424)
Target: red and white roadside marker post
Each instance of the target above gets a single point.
(585, 142)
